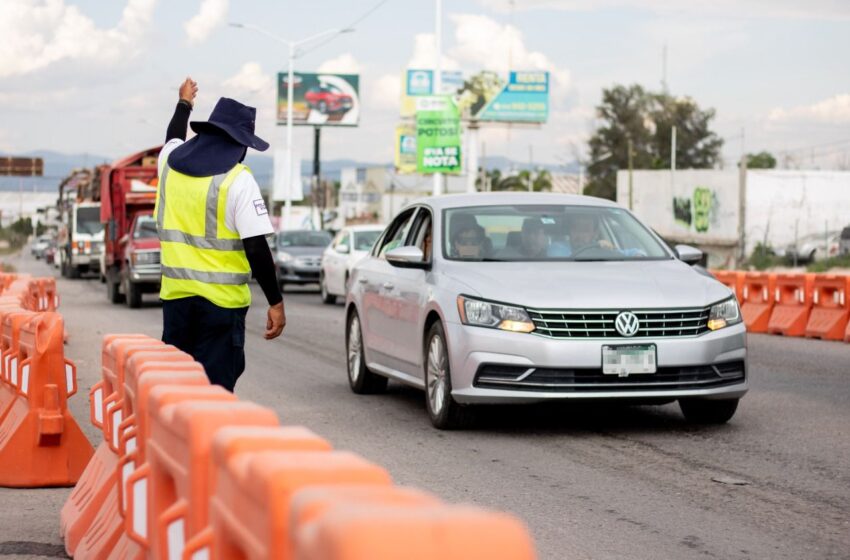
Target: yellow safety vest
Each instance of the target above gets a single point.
(200, 255)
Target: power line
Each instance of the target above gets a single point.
(366, 14)
(814, 146)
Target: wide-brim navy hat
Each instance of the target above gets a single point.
(221, 142)
(234, 119)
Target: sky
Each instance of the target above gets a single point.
(87, 76)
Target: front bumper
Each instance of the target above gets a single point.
(91, 261)
(294, 274)
(712, 365)
(146, 275)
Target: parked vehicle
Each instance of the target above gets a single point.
(50, 251)
(844, 243)
(128, 192)
(528, 297)
(39, 246)
(328, 99)
(80, 239)
(811, 248)
(349, 246)
(298, 255)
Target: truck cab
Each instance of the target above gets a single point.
(81, 239)
(140, 273)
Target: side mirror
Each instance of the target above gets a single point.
(343, 250)
(688, 254)
(406, 257)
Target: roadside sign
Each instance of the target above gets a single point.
(438, 135)
(320, 99)
(524, 99)
(22, 167)
(405, 148)
(419, 82)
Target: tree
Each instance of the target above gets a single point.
(647, 119)
(540, 181)
(761, 160)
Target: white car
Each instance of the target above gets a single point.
(349, 246)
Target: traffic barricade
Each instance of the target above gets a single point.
(830, 307)
(793, 303)
(10, 331)
(447, 532)
(231, 441)
(733, 279)
(40, 442)
(41, 295)
(98, 393)
(106, 532)
(757, 300)
(178, 472)
(251, 508)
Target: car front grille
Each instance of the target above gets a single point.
(578, 380)
(308, 262)
(558, 323)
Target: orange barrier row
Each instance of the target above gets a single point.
(40, 442)
(792, 304)
(197, 473)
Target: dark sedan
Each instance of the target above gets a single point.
(298, 255)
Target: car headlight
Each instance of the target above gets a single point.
(284, 257)
(149, 257)
(493, 315)
(724, 314)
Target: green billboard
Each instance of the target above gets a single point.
(438, 135)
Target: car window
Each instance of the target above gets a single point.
(397, 232)
(145, 228)
(343, 240)
(303, 239)
(422, 234)
(547, 232)
(364, 240)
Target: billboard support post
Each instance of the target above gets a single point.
(287, 205)
(438, 79)
(472, 157)
(319, 193)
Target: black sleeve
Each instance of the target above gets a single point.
(262, 265)
(179, 125)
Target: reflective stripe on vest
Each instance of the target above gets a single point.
(201, 256)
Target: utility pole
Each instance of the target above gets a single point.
(472, 156)
(664, 68)
(631, 182)
(673, 150)
(742, 201)
(530, 168)
(484, 186)
(438, 79)
(317, 175)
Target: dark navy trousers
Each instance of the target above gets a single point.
(213, 335)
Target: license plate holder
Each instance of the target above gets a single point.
(631, 359)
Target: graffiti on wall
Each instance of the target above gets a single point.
(698, 211)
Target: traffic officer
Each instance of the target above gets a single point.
(212, 224)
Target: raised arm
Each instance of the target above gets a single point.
(179, 125)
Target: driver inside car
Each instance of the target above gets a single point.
(584, 233)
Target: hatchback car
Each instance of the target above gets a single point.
(298, 255)
(523, 297)
(349, 246)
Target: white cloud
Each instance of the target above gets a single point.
(251, 79)
(425, 53)
(784, 9)
(383, 93)
(835, 110)
(343, 64)
(211, 15)
(484, 43)
(37, 33)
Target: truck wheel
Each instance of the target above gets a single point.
(134, 295)
(113, 293)
(73, 272)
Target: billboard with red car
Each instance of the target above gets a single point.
(320, 99)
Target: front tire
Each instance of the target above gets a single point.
(327, 297)
(445, 413)
(361, 380)
(703, 411)
(134, 295)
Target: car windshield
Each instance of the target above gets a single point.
(88, 220)
(145, 228)
(304, 239)
(363, 240)
(547, 233)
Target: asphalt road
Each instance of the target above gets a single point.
(590, 481)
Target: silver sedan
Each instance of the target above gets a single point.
(522, 297)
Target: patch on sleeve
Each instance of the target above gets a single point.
(260, 207)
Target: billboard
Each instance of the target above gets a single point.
(320, 99)
(420, 83)
(438, 135)
(405, 148)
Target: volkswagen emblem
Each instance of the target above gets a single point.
(627, 323)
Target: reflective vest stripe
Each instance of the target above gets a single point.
(226, 278)
(177, 236)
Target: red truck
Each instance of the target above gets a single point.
(131, 246)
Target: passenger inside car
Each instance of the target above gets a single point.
(469, 242)
(532, 242)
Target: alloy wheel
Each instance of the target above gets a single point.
(436, 375)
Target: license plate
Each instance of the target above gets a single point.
(628, 360)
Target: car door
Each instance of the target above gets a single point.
(334, 263)
(374, 276)
(406, 294)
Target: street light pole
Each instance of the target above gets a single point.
(438, 80)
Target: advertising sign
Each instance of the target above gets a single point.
(405, 148)
(524, 99)
(420, 83)
(320, 99)
(438, 135)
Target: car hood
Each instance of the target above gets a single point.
(589, 285)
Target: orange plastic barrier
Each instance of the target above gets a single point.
(9, 338)
(793, 303)
(830, 307)
(757, 300)
(98, 392)
(733, 279)
(178, 457)
(40, 442)
(424, 533)
(106, 531)
(41, 295)
(847, 333)
(251, 509)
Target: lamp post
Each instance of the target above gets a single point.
(293, 54)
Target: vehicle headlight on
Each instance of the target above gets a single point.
(724, 314)
(493, 315)
(284, 257)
